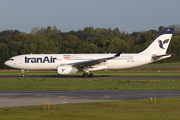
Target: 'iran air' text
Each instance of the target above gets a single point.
(40, 60)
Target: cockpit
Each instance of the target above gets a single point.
(11, 62)
(11, 59)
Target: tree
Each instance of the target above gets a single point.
(161, 28)
(31, 48)
(70, 38)
(48, 30)
(4, 50)
(16, 32)
(6, 33)
(89, 48)
(115, 45)
(20, 38)
(3, 40)
(24, 49)
(42, 31)
(33, 31)
(55, 30)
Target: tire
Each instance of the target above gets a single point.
(85, 75)
(91, 75)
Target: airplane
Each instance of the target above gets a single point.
(66, 64)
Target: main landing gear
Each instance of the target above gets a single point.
(23, 73)
(87, 74)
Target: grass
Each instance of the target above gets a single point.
(136, 74)
(86, 84)
(164, 109)
(99, 73)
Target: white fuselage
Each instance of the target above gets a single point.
(51, 61)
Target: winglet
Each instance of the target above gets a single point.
(118, 54)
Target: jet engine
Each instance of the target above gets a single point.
(65, 70)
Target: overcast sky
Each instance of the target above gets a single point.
(127, 15)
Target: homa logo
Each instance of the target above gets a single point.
(40, 59)
(162, 43)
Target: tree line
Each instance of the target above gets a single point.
(89, 40)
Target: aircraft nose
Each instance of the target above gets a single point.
(6, 63)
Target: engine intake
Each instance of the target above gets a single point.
(65, 70)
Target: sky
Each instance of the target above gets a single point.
(67, 15)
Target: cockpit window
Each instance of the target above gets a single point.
(11, 59)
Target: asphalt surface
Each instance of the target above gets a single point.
(27, 98)
(98, 77)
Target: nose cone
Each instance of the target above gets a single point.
(6, 63)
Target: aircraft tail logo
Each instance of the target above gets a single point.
(162, 43)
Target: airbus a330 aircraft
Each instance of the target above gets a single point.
(72, 63)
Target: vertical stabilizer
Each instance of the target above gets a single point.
(160, 44)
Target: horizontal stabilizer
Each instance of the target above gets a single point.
(157, 57)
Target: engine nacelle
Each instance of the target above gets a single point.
(65, 70)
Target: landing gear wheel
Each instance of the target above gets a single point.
(85, 75)
(90, 75)
(23, 75)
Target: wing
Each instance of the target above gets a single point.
(92, 62)
(166, 41)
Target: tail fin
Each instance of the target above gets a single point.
(160, 44)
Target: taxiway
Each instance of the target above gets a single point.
(28, 98)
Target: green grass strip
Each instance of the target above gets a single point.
(100, 73)
(164, 109)
(86, 84)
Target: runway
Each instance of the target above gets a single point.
(98, 77)
(27, 98)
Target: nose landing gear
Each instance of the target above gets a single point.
(23, 73)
